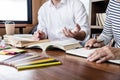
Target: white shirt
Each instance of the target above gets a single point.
(68, 13)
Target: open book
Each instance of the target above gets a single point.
(26, 41)
(21, 40)
(63, 44)
(85, 53)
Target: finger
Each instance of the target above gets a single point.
(94, 57)
(35, 34)
(70, 34)
(77, 28)
(88, 45)
(103, 59)
(42, 36)
(65, 31)
(97, 45)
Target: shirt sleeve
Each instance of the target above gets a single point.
(107, 34)
(41, 20)
(81, 18)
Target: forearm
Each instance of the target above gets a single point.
(105, 38)
(116, 52)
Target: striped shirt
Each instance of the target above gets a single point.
(112, 24)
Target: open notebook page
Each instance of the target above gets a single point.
(85, 53)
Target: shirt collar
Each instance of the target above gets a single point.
(61, 2)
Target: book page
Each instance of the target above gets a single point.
(80, 52)
(61, 44)
(22, 40)
(85, 53)
(66, 44)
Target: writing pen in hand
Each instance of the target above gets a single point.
(95, 45)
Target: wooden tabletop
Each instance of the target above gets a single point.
(72, 68)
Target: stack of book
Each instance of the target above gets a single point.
(100, 19)
(28, 61)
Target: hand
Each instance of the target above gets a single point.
(103, 54)
(72, 33)
(94, 43)
(39, 35)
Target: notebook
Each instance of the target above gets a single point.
(85, 53)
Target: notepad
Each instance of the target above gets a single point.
(4, 47)
(11, 51)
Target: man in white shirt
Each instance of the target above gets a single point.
(62, 19)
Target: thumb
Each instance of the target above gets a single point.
(77, 28)
(97, 45)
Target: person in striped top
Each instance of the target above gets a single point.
(110, 31)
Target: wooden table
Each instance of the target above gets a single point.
(72, 68)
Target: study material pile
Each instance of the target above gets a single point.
(21, 40)
(85, 53)
(28, 61)
(26, 41)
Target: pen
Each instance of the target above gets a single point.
(93, 46)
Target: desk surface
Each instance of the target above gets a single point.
(72, 68)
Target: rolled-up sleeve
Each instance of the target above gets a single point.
(81, 18)
(107, 34)
(41, 20)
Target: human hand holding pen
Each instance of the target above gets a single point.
(38, 35)
(94, 43)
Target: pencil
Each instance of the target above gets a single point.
(36, 61)
(30, 57)
(38, 65)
